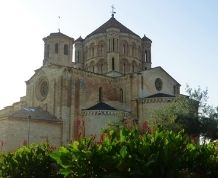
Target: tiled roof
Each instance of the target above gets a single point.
(145, 38)
(79, 39)
(59, 34)
(35, 113)
(159, 95)
(101, 106)
(112, 23)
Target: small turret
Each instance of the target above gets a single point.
(146, 52)
(79, 61)
(58, 49)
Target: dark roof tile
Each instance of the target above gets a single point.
(35, 113)
(159, 95)
(112, 23)
(101, 106)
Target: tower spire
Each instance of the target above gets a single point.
(59, 19)
(113, 11)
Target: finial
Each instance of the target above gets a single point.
(112, 11)
(59, 19)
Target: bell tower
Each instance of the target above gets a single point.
(146, 53)
(79, 61)
(58, 49)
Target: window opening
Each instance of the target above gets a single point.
(146, 56)
(121, 95)
(56, 48)
(100, 95)
(78, 56)
(65, 49)
(113, 45)
(142, 82)
(112, 63)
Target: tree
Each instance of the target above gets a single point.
(191, 113)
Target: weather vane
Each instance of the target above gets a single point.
(59, 19)
(113, 10)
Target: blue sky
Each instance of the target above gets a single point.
(184, 35)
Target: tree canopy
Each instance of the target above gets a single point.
(191, 113)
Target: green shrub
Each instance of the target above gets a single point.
(29, 162)
(126, 153)
(123, 153)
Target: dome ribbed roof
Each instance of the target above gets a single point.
(112, 23)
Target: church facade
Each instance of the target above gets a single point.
(110, 81)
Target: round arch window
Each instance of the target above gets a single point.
(42, 88)
(158, 84)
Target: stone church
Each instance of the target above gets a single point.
(110, 81)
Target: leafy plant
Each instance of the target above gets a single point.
(26, 162)
(128, 153)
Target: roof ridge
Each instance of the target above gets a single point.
(112, 23)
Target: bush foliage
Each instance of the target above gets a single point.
(123, 153)
(29, 162)
(127, 153)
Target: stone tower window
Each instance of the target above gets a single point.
(133, 66)
(66, 49)
(117, 44)
(100, 49)
(100, 94)
(47, 51)
(146, 56)
(142, 82)
(101, 68)
(121, 95)
(124, 68)
(56, 48)
(113, 64)
(93, 51)
(125, 48)
(133, 50)
(78, 56)
(113, 45)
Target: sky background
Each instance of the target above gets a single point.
(184, 36)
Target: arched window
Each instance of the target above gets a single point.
(92, 51)
(146, 56)
(66, 49)
(101, 68)
(113, 64)
(124, 68)
(139, 52)
(142, 82)
(78, 56)
(113, 45)
(56, 48)
(100, 96)
(117, 44)
(47, 50)
(100, 48)
(121, 95)
(133, 50)
(125, 48)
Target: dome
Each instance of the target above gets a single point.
(112, 23)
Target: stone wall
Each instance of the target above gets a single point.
(14, 133)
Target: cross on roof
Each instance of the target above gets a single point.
(59, 20)
(112, 10)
